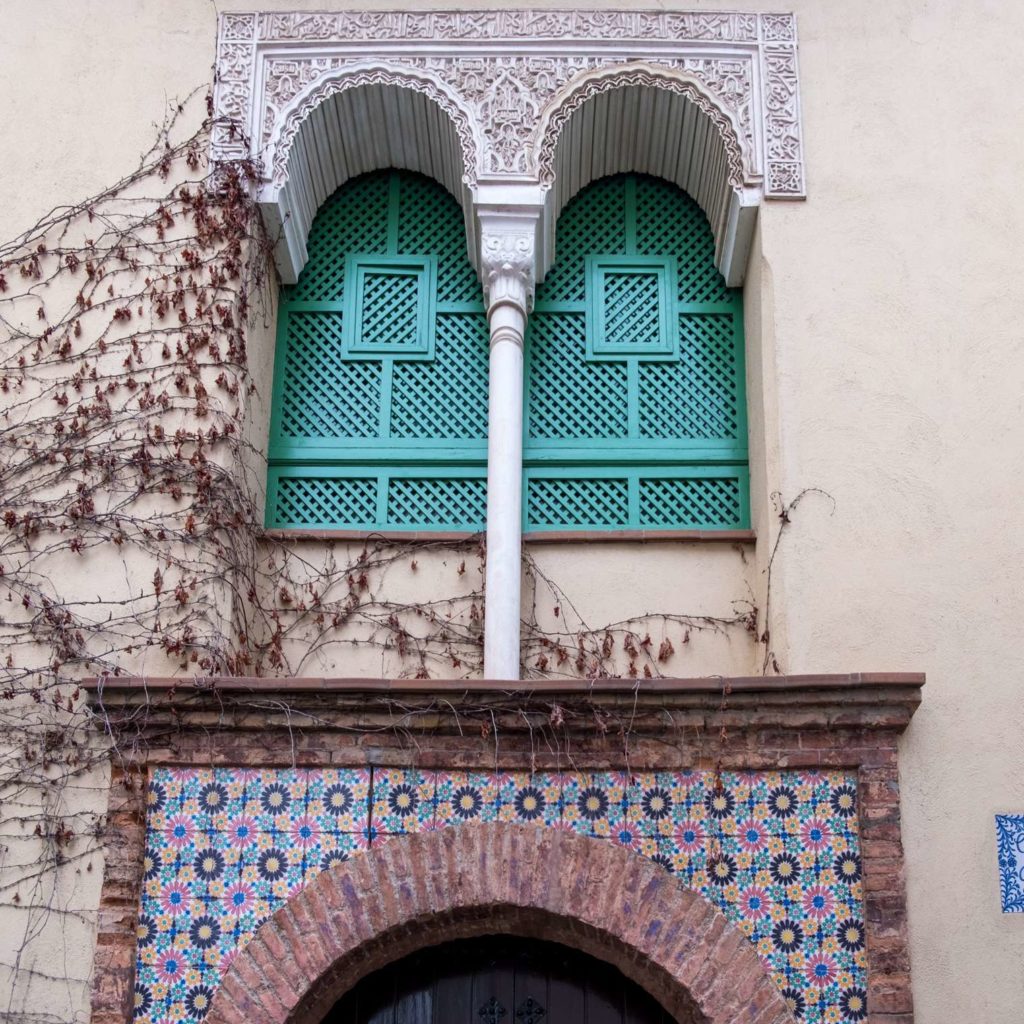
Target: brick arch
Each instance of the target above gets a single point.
(485, 878)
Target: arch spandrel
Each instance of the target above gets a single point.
(493, 878)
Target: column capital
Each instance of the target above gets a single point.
(509, 240)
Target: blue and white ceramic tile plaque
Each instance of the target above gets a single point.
(1010, 839)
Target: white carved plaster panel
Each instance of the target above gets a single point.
(507, 102)
(745, 63)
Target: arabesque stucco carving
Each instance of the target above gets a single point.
(273, 68)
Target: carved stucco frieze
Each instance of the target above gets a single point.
(233, 87)
(511, 24)
(783, 146)
(506, 98)
(740, 69)
(510, 95)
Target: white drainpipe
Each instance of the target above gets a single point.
(507, 243)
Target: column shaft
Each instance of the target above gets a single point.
(504, 493)
(509, 232)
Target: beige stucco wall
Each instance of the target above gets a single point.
(898, 353)
(885, 361)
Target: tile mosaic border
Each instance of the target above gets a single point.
(778, 852)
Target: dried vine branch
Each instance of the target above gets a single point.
(784, 511)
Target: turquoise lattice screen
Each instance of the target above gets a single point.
(635, 407)
(380, 402)
(635, 410)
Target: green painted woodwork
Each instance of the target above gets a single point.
(631, 307)
(635, 413)
(389, 306)
(380, 386)
(634, 405)
(379, 497)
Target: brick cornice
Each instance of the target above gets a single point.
(810, 719)
(911, 681)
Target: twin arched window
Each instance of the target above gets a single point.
(634, 399)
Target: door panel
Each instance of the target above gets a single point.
(497, 980)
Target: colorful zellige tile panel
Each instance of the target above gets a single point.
(778, 852)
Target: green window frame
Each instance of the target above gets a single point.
(635, 410)
(379, 413)
(631, 307)
(389, 305)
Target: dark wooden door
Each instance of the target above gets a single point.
(497, 980)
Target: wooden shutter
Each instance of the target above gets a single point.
(635, 405)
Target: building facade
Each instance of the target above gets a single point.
(510, 474)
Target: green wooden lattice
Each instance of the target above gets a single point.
(380, 395)
(635, 408)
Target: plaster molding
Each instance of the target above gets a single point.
(296, 87)
(557, 25)
(508, 82)
(724, 105)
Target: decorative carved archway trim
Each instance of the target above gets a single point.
(481, 879)
(713, 166)
(741, 68)
(291, 119)
(578, 91)
(309, 156)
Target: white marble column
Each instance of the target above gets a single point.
(508, 254)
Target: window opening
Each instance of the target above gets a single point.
(380, 397)
(635, 411)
